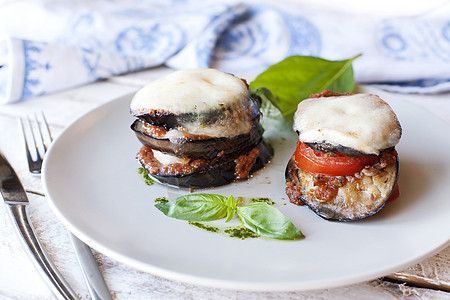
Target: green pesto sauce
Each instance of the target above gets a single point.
(160, 200)
(223, 108)
(204, 227)
(262, 199)
(240, 232)
(145, 177)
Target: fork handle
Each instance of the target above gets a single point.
(37, 253)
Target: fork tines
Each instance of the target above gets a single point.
(36, 142)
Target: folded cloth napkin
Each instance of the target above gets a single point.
(48, 45)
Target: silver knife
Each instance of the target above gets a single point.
(17, 205)
(94, 279)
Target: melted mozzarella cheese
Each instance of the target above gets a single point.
(167, 159)
(197, 92)
(213, 130)
(190, 91)
(362, 122)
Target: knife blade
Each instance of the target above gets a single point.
(17, 204)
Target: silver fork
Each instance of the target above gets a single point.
(35, 164)
(94, 279)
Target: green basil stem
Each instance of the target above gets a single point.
(231, 208)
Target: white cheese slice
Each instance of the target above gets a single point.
(190, 91)
(214, 130)
(167, 159)
(362, 122)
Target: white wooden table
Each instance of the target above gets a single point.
(18, 280)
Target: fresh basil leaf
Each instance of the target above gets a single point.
(267, 97)
(295, 78)
(196, 207)
(268, 221)
(269, 106)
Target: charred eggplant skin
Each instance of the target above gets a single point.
(323, 210)
(169, 120)
(216, 176)
(329, 149)
(202, 149)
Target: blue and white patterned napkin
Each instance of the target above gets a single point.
(48, 45)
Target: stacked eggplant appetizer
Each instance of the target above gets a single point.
(345, 166)
(199, 128)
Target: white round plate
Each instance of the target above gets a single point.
(90, 178)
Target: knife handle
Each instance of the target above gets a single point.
(37, 253)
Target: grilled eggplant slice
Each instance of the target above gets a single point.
(357, 197)
(200, 149)
(169, 120)
(330, 149)
(216, 174)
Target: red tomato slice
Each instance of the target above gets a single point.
(334, 165)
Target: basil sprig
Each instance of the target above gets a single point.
(261, 218)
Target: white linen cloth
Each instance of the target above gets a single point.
(51, 45)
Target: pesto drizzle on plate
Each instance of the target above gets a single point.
(241, 232)
(161, 200)
(205, 227)
(145, 177)
(262, 199)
